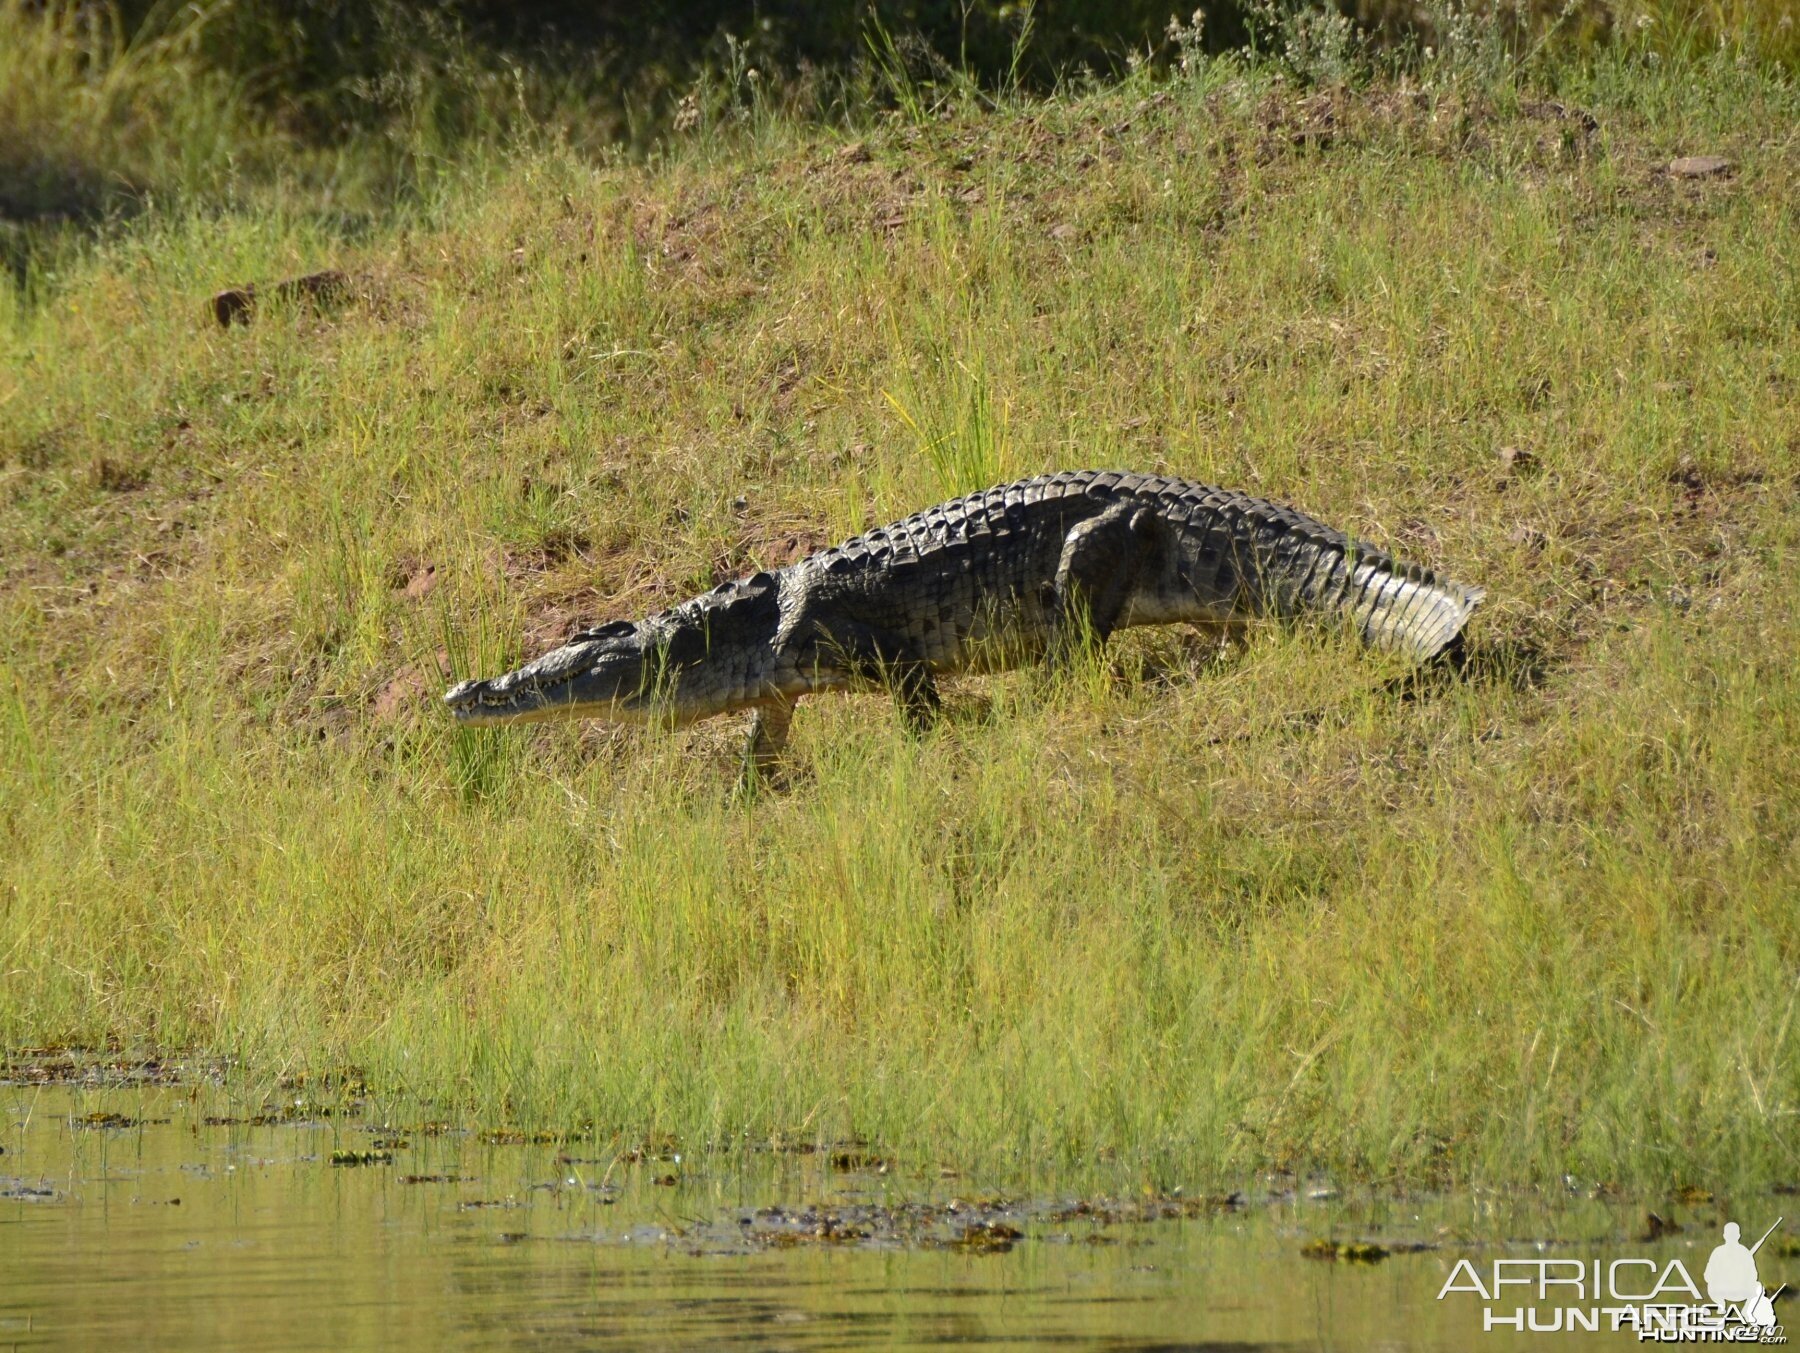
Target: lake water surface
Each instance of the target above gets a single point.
(158, 1229)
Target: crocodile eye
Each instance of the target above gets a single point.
(613, 629)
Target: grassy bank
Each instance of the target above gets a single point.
(1206, 916)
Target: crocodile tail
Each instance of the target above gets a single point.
(1302, 567)
(1407, 608)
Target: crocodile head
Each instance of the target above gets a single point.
(697, 659)
(605, 673)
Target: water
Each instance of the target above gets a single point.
(178, 1234)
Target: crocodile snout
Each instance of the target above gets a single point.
(464, 694)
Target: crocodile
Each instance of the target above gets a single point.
(1025, 571)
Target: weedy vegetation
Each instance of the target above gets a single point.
(1197, 913)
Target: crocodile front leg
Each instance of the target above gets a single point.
(838, 651)
(768, 736)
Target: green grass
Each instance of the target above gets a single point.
(1205, 917)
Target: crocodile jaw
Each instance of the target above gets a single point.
(478, 704)
(585, 680)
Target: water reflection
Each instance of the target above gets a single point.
(168, 1232)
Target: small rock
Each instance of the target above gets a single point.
(420, 585)
(362, 1157)
(1656, 1227)
(1699, 167)
(1516, 460)
(233, 306)
(1341, 1251)
(987, 1237)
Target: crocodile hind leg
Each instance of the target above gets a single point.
(1103, 561)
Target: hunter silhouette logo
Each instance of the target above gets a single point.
(1659, 1301)
(1731, 1278)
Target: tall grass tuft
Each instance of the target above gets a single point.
(956, 429)
(91, 119)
